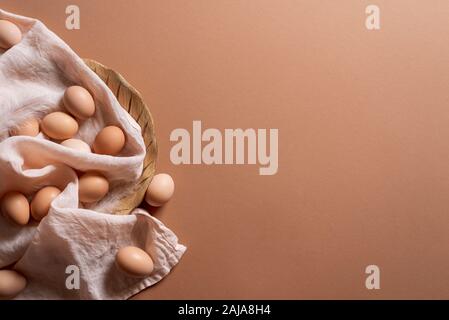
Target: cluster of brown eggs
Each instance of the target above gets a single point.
(61, 127)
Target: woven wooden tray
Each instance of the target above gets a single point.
(131, 100)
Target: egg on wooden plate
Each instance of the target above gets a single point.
(59, 125)
(110, 141)
(93, 186)
(79, 102)
(76, 144)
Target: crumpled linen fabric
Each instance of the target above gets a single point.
(33, 77)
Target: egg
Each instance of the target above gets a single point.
(79, 102)
(160, 190)
(110, 141)
(59, 126)
(28, 128)
(10, 34)
(16, 207)
(42, 201)
(11, 284)
(92, 187)
(134, 262)
(76, 144)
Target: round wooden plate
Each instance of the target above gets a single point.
(131, 100)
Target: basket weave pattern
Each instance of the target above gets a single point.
(131, 100)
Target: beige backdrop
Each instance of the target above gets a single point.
(363, 120)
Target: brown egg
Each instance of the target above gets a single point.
(110, 141)
(92, 187)
(11, 284)
(134, 262)
(79, 102)
(10, 34)
(160, 190)
(76, 144)
(59, 126)
(42, 201)
(28, 128)
(15, 206)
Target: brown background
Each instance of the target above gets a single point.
(363, 119)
